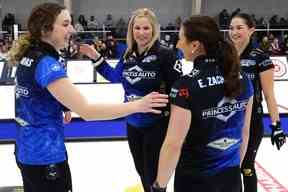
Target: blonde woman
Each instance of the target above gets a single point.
(146, 66)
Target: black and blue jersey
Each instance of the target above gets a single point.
(213, 141)
(154, 70)
(40, 131)
(253, 62)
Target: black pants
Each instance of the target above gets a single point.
(145, 145)
(226, 181)
(46, 178)
(248, 167)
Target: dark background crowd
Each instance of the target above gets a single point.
(109, 36)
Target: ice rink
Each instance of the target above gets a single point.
(106, 166)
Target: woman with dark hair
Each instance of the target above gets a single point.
(255, 63)
(42, 90)
(210, 115)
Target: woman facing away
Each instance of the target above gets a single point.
(210, 115)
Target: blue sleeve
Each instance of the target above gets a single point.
(250, 88)
(120, 49)
(48, 70)
(110, 73)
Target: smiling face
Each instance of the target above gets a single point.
(239, 31)
(142, 32)
(61, 32)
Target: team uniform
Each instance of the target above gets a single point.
(253, 62)
(40, 149)
(210, 156)
(154, 70)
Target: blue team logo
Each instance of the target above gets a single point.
(225, 109)
(136, 74)
(55, 67)
(149, 59)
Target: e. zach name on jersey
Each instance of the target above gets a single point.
(211, 81)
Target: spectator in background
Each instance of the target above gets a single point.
(275, 47)
(167, 41)
(114, 49)
(78, 25)
(8, 22)
(224, 18)
(283, 23)
(265, 44)
(82, 21)
(109, 22)
(121, 28)
(274, 21)
(261, 23)
(100, 46)
(92, 24)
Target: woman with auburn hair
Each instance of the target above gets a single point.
(42, 93)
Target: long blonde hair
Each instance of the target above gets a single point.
(149, 14)
(40, 20)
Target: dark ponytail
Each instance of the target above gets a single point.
(231, 67)
(205, 30)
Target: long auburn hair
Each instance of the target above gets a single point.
(40, 21)
(205, 30)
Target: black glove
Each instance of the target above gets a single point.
(278, 137)
(156, 188)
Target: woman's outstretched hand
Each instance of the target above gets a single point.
(153, 100)
(89, 51)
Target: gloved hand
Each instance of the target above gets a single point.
(278, 137)
(156, 188)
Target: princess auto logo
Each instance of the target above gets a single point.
(135, 74)
(225, 109)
